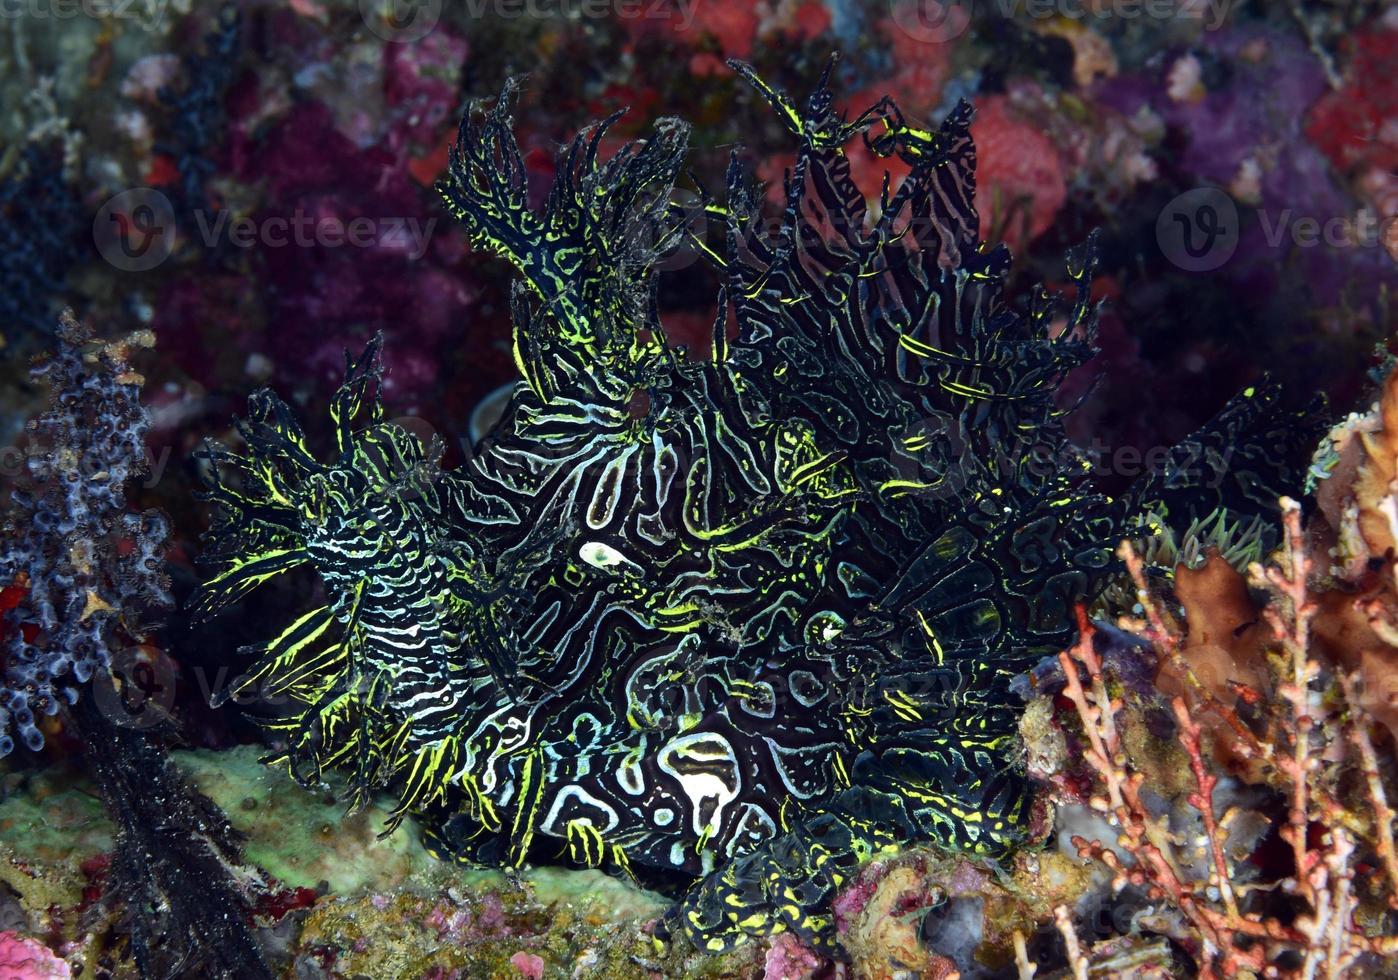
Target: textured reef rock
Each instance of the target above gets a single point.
(745, 621)
(332, 900)
(39, 216)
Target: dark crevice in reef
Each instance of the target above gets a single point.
(198, 118)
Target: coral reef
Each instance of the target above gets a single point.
(1321, 902)
(172, 869)
(1356, 474)
(749, 619)
(327, 122)
(198, 117)
(330, 898)
(228, 121)
(87, 566)
(25, 959)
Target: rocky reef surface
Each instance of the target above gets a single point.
(334, 900)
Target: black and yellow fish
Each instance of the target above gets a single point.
(748, 619)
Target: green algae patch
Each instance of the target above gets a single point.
(589, 889)
(48, 833)
(387, 909)
(304, 839)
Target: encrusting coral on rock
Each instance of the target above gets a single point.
(25, 959)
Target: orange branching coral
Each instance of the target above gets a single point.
(1312, 743)
(1225, 644)
(1356, 623)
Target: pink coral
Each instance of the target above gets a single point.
(529, 965)
(420, 85)
(1019, 173)
(789, 959)
(852, 899)
(922, 67)
(1354, 126)
(728, 27)
(24, 959)
(149, 75)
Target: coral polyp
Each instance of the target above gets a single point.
(746, 619)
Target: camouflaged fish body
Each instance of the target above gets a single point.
(750, 618)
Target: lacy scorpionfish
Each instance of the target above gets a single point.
(747, 619)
